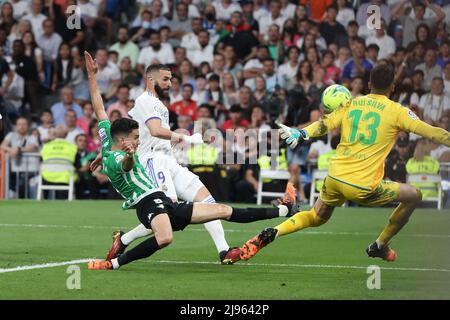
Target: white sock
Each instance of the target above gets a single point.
(138, 232)
(215, 230)
(115, 263)
(283, 210)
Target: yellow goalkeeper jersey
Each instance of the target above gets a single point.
(369, 127)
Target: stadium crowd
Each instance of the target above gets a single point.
(235, 64)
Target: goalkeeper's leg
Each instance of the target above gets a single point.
(314, 217)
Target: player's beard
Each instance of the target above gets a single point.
(162, 93)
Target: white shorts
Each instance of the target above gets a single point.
(176, 181)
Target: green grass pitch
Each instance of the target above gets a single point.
(328, 262)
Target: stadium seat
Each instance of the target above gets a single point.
(317, 175)
(56, 165)
(428, 178)
(270, 174)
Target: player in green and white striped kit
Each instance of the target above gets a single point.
(154, 209)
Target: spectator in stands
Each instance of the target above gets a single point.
(204, 51)
(186, 72)
(187, 106)
(430, 68)
(231, 63)
(115, 115)
(59, 148)
(85, 120)
(155, 53)
(275, 43)
(435, 104)
(332, 72)
(215, 97)
(180, 23)
(46, 128)
(123, 94)
(189, 41)
(288, 70)
(72, 130)
(246, 101)
(358, 65)
(385, 43)
(444, 54)
(62, 68)
(15, 144)
(49, 41)
(395, 169)
(235, 120)
(224, 8)
(357, 86)
(125, 47)
(410, 24)
(86, 182)
(229, 90)
(7, 20)
(93, 139)
(240, 38)
(447, 78)
(199, 95)
(345, 13)
(60, 109)
(331, 30)
(36, 17)
(422, 163)
(258, 121)
(108, 75)
(259, 89)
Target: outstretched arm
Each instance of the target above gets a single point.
(97, 101)
(435, 134)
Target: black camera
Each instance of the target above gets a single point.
(272, 105)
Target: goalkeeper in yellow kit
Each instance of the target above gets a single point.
(369, 126)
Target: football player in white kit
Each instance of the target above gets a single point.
(155, 154)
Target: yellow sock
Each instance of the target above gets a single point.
(397, 220)
(300, 220)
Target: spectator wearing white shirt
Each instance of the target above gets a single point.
(180, 24)
(190, 40)
(287, 9)
(430, 68)
(49, 41)
(108, 75)
(274, 16)
(447, 78)
(345, 14)
(192, 9)
(224, 9)
(259, 9)
(288, 70)
(36, 17)
(204, 52)
(383, 41)
(155, 53)
(20, 7)
(435, 104)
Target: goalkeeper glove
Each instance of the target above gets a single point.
(292, 135)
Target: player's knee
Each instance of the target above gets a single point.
(164, 239)
(223, 211)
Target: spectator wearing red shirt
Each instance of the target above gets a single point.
(187, 106)
(235, 121)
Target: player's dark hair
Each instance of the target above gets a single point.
(156, 67)
(123, 126)
(382, 77)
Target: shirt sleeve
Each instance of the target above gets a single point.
(146, 109)
(410, 122)
(328, 123)
(104, 132)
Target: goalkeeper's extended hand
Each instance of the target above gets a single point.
(292, 135)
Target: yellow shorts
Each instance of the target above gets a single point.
(335, 192)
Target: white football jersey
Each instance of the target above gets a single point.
(146, 107)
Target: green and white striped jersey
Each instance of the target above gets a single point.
(133, 185)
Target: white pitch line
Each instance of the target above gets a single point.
(43, 266)
(244, 264)
(293, 265)
(342, 233)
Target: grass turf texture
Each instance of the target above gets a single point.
(318, 263)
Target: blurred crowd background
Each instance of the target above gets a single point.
(236, 65)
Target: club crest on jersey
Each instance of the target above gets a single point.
(102, 134)
(413, 115)
(119, 158)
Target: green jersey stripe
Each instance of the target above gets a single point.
(151, 183)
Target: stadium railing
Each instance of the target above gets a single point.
(270, 174)
(21, 176)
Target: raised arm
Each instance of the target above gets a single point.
(435, 134)
(97, 101)
(436, 9)
(398, 9)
